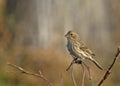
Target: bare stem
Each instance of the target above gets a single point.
(73, 77)
(107, 73)
(70, 65)
(83, 77)
(40, 75)
(83, 64)
(89, 73)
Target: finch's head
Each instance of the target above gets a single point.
(72, 35)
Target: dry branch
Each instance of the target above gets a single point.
(89, 73)
(83, 64)
(83, 77)
(110, 68)
(40, 75)
(73, 77)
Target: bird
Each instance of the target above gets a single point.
(78, 49)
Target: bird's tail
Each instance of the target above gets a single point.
(96, 63)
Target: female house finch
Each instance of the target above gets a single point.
(78, 50)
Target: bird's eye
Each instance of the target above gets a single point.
(71, 34)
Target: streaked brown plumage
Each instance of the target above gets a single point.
(78, 50)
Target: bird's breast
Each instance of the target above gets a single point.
(69, 46)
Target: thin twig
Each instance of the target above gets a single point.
(110, 68)
(83, 77)
(85, 65)
(73, 77)
(89, 73)
(40, 75)
(72, 62)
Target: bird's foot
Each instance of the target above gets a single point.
(77, 61)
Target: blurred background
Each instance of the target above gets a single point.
(32, 36)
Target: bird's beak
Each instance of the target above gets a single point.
(66, 35)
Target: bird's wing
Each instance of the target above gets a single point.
(79, 52)
(84, 48)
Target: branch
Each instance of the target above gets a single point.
(83, 64)
(73, 77)
(83, 77)
(40, 75)
(72, 62)
(110, 68)
(89, 73)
